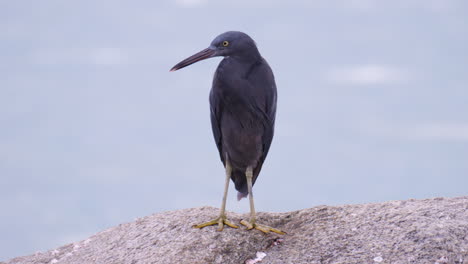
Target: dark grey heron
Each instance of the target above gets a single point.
(243, 109)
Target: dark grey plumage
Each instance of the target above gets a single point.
(243, 108)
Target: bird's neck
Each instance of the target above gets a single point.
(237, 67)
(248, 57)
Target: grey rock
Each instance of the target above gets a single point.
(413, 231)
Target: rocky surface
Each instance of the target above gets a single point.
(414, 231)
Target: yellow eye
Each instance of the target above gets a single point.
(225, 43)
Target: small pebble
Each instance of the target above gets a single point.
(378, 259)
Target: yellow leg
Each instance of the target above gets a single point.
(222, 220)
(252, 223)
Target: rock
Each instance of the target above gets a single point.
(414, 231)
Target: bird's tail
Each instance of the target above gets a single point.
(240, 181)
(241, 195)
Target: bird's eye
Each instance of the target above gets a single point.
(225, 43)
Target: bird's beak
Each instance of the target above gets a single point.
(204, 54)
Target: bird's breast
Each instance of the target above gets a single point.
(241, 138)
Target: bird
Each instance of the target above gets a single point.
(243, 100)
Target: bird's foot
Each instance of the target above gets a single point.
(221, 221)
(265, 229)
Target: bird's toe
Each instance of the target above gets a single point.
(264, 228)
(220, 221)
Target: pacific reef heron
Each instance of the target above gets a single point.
(243, 108)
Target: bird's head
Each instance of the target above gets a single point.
(231, 43)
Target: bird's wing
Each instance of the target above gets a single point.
(258, 97)
(268, 112)
(264, 101)
(215, 113)
(264, 112)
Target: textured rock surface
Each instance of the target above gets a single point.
(413, 231)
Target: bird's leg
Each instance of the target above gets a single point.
(222, 220)
(252, 223)
(249, 175)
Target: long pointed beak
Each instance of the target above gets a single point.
(204, 54)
